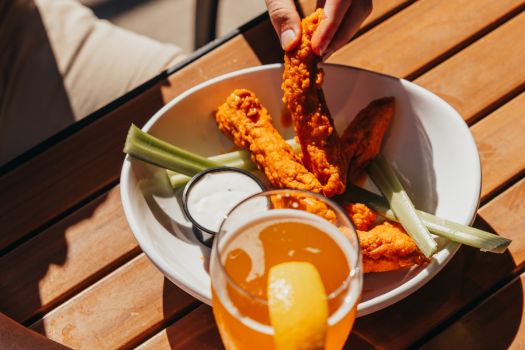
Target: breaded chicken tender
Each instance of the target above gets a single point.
(385, 246)
(362, 139)
(314, 127)
(362, 216)
(249, 125)
(388, 247)
(303, 201)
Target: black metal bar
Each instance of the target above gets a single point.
(205, 21)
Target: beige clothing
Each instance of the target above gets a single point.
(59, 63)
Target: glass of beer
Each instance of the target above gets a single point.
(275, 227)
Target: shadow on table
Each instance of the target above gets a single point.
(467, 280)
(23, 295)
(492, 320)
(493, 324)
(196, 329)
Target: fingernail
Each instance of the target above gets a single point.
(287, 38)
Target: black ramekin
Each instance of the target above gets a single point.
(204, 235)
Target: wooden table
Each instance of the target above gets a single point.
(71, 269)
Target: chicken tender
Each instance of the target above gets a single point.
(362, 139)
(306, 202)
(388, 247)
(362, 216)
(314, 127)
(385, 246)
(249, 125)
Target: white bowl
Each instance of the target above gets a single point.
(428, 143)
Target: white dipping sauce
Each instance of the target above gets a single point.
(216, 193)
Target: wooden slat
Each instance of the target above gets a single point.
(380, 10)
(110, 315)
(500, 139)
(421, 33)
(506, 214)
(477, 78)
(195, 331)
(495, 324)
(65, 258)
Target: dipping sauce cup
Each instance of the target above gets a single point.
(212, 193)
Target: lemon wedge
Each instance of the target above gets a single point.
(298, 306)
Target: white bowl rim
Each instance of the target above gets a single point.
(364, 308)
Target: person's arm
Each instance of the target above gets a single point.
(342, 20)
(14, 336)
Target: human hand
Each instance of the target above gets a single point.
(342, 19)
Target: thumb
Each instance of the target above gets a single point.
(286, 22)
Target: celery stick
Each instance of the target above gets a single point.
(385, 178)
(148, 148)
(453, 231)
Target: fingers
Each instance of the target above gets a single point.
(286, 22)
(340, 25)
(342, 19)
(357, 13)
(334, 12)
